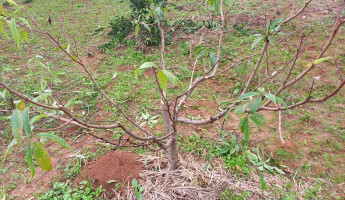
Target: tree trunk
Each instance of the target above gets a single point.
(173, 149)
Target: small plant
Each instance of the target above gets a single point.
(262, 185)
(229, 194)
(138, 190)
(261, 164)
(148, 119)
(232, 147)
(65, 191)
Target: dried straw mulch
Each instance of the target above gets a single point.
(192, 181)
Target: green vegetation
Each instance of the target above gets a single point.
(128, 32)
(68, 191)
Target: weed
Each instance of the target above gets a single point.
(138, 190)
(195, 144)
(229, 194)
(65, 191)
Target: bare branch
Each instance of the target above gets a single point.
(297, 13)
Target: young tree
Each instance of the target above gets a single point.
(248, 104)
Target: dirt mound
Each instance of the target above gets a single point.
(119, 166)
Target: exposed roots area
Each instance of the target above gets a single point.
(192, 181)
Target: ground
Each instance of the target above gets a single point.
(312, 156)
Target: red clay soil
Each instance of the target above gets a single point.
(119, 166)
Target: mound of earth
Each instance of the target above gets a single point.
(114, 167)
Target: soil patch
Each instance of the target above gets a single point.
(118, 166)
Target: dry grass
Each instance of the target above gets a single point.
(192, 181)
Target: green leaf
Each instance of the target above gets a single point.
(137, 28)
(244, 126)
(148, 65)
(14, 31)
(256, 41)
(256, 105)
(282, 102)
(26, 123)
(252, 158)
(24, 35)
(262, 182)
(171, 77)
(25, 22)
(146, 26)
(42, 157)
(56, 139)
(74, 57)
(271, 39)
(275, 23)
(271, 97)
(246, 95)
(36, 118)
(318, 61)
(17, 125)
(12, 2)
(134, 183)
(213, 59)
(256, 121)
(217, 6)
(28, 158)
(8, 150)
(163, 81)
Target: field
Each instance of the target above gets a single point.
(297, 153)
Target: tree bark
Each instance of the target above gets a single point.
(173, 149)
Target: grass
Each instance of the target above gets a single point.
(317, 132)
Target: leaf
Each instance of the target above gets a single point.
(271, 39)
(252, 158)
(25, 22)
(256, 41)
(244, 126)
(36, 118)
(146, 26)
(275, 23)
(282, 102)
(12, 2)
(8, 150)
(134, 183)
(17, 125)
(213, 59)
(217, 6)
(2, 9)
(256, 105)
(318, 61)
(271, 97)
(14, 31)
(246, 95)
(279, 171)
(28, 158)
(74, 57)
(171, 77)
(56, 139)
(26, 123)
(256, 121)
(246, 130)
(24, 35)
(262, 182)
(163, 81)
(137, 30)
(42, 157)
(148, 65)
(21, 105)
